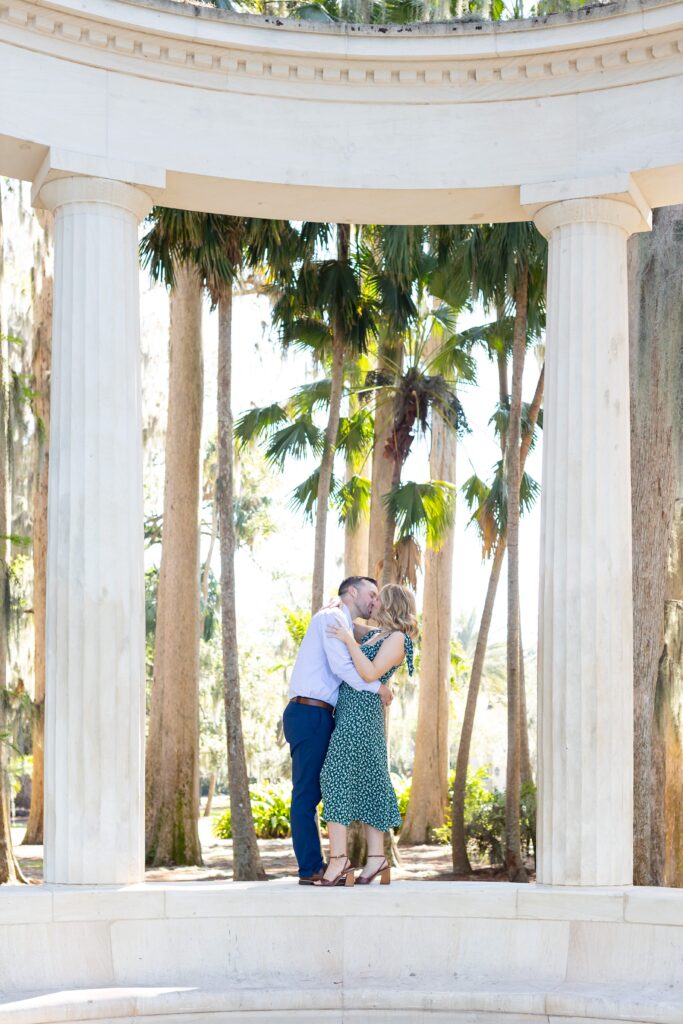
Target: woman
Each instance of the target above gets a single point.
(355, 776)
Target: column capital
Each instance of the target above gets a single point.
(590, 210)
(80, 189)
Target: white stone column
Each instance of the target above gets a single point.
(585, 657)
(94, 726)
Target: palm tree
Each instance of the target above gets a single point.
(215, 248)
(520, 255)
(429, 790)
(172, 753)
(505, 263)
(325, 307)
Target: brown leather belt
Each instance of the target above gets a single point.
(315, 703)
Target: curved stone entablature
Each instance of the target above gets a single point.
(481, 66)
(423, 123)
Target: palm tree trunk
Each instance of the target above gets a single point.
(327, 461)
(390, 358)
(9, 868)
(526, 774)
(388, 558)
(246, 857)
(42, 347)
(513, 850)
(429, 790)
(461, 863)
(172, 761)
(357, 540)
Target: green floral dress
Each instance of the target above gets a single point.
(355, 778)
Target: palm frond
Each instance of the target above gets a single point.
(426, 509)
(309, 397)
(296, 440)
(352, 500)
(258, 422)
(304, 497)
(355, 435)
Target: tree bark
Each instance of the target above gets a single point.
(655, 318)
(513, 850)
(667, 853)
(42, 356)
(429, 790)
(9, 868)
(461, 864)
(525, 770)
(246, 857)
(382, 468)
(388, 559)
(356, 541)
(172, 761)
(327, 461)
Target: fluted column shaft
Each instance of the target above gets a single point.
(94, 725)
(585, 716)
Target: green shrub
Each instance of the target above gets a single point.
(484, 815)
(270, 808)
(402, 788)
(485, 818)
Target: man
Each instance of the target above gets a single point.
(321, 666)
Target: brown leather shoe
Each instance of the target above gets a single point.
(311, 879)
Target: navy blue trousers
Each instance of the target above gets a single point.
(307, 730)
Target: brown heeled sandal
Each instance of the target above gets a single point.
(384, 870)
(345, 877)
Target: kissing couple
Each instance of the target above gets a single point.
(334, 724)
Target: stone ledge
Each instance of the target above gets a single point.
(587, 1003)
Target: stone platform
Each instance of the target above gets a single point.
(231, 952)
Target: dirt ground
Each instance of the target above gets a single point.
(419, 863)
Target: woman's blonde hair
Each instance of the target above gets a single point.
(397, 610)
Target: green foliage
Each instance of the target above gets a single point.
(426, 508)
(352, 499)
(485, 818)
(251, 505)
(296, 440)
(297, 621)
(270, 806)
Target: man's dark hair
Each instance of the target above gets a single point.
(354, 581)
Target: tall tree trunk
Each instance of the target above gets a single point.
(246, 857)
(655, 319)
(513, 850)
(42, 356)
(356, 545)
(461, 864)
(327, 461)
(357, 540)
(513, 857)
(390, 359)
(172, 761)
(429, 790)
(526, 774)
(388, 559)
(667, 851)
(9, 868)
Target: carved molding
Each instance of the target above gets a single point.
(84, 40)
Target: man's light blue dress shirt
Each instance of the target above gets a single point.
(323, 662)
